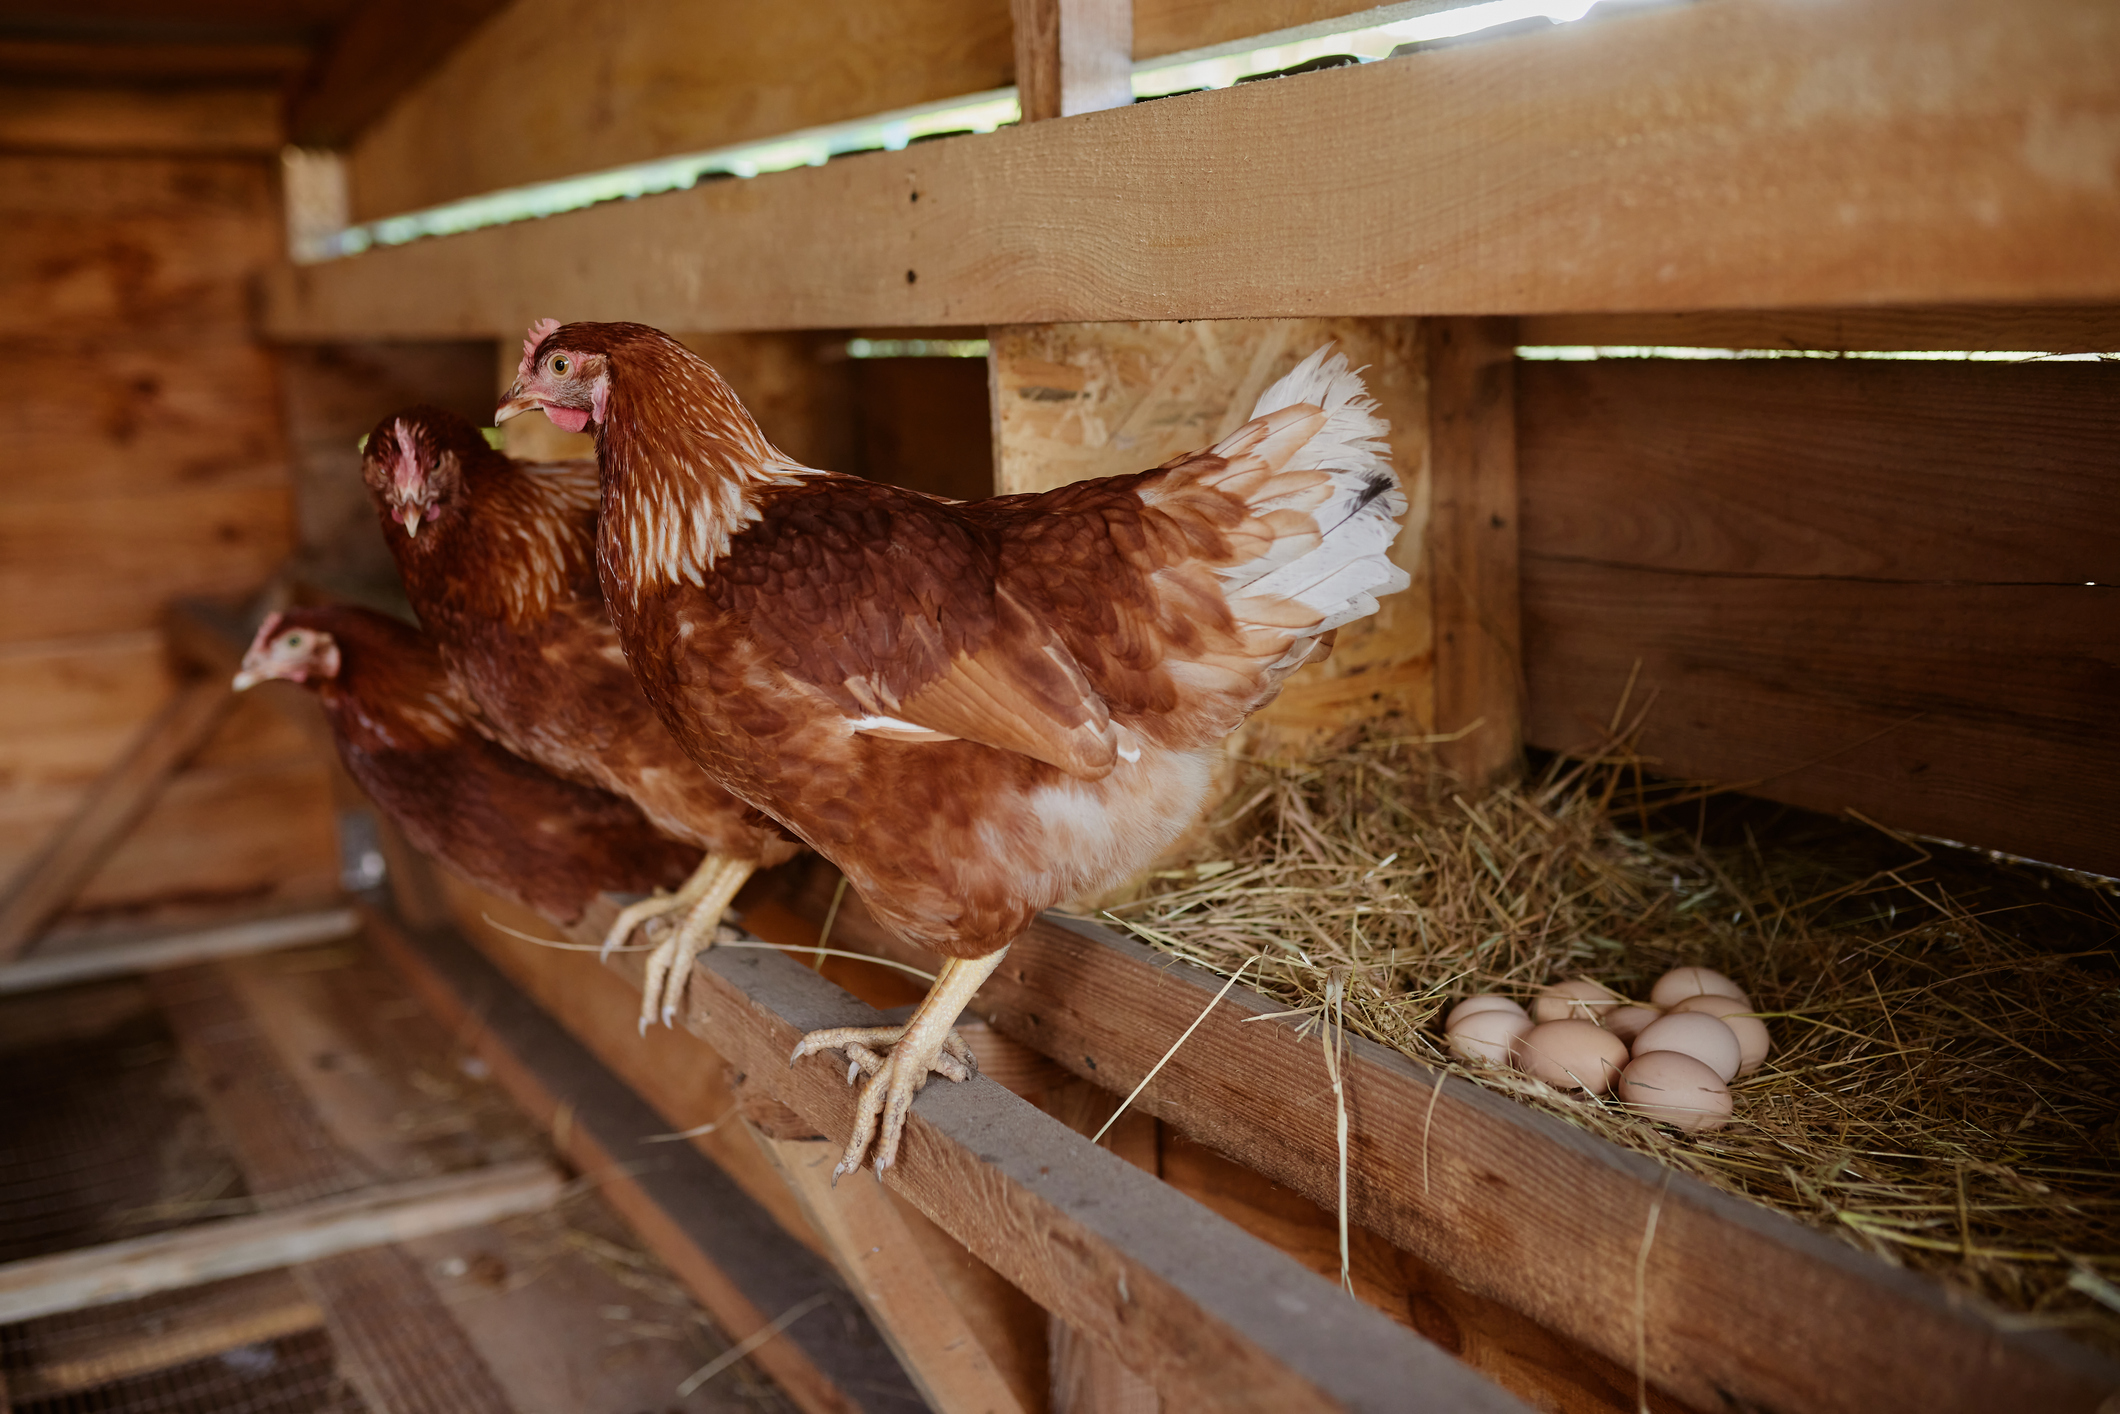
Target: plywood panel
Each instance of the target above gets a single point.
(1747, 154)
(1846, 586)
(559, 87)
(70, 567)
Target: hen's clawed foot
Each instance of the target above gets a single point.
(924, 1044)
(703, 899)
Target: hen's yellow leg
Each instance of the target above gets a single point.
(659, 903)
(670, 965)
(921, 1045)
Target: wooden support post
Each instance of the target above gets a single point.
(396, 1212)
(1472, 544)
(1073, 56)
(51, 879)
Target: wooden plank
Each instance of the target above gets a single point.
(112, 61)
(727, 1249)
(662, 77)
(1462, 1179)
(71, 705)
(2044, 329)
(876, 1254)
(109, 564)
(1638, 152)
(43, 887)
(1072, 56)
(1213, 1318)
(204, 120)
(1472, 543)
(1879, 586)
(377, 53)
(176, 950)
(1163, 27)
(196, 1324)
(119, 1271)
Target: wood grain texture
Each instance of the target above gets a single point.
(1468, 1193)
(377, 53)
(2038, 328)
(1173, 26)
(1617, 165)
(125, 119)
(561, 86)
(1212, 1318)
(1472, 546)
(1072, 56)
(730, 1252)
(1888, 587)
(42, 888)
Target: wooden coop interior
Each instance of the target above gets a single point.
(297, 1122)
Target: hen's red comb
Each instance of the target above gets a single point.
(266, 631)
(539, 332)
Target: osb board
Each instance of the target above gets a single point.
(1074, 401)
(1746, 154)
(558, 87)
(1885, 587)
(686, 1084)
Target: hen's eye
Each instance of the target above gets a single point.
(294, 640)
(561, 367)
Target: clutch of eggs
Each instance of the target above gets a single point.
(1670, 1060)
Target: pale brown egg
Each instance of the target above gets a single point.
(1753, 1039)
(1580, 1000)
(1483, 1001)
(1487, 1035)
(1683, 982)
(1705, 1038)
(1571, 1055)
(1677, 1090)
(1626, 1022)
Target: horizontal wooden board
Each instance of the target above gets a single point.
(1173, 26)
(1675, 158)
(1941, 473)
(2065, 329)
(122, 416)
(71, 704)
(566, 86)
(1881, 586)
(206, 120)
(182, 273)
(1974, 712)
(72, 186)
(102, 566)
(112, 61)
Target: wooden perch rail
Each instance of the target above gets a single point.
(1213, 1317)
(1517, 1205)
(1745, 154)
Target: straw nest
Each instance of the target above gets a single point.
(1941, 1090)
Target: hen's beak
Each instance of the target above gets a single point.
(246, 680)
(516, 401)
(410, 519)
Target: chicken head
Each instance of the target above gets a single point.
(295, 653)
(414, 475)
(572, 386)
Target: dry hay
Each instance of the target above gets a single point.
(1941, 1092)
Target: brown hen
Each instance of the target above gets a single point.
(498, 559)
(976, 710)
(406, 733)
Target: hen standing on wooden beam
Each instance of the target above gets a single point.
(497, 556)
(976, 710)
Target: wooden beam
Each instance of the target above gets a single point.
(117, 959)
(1472, 548)
(2061, 329)
(41, 890)
(378, 53)
(1463, 1179)
(218, 122)
(1742, 155)
(119, 1271)
(199, 1324)
(1073, 56)
(192, 62)
(722, 1245)
(1880, 586)
(1213, 1317)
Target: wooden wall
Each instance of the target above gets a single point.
(144, 459)
(1891, 586)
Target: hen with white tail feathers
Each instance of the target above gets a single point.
(979, 709)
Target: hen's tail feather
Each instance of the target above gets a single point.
(1318, 419)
